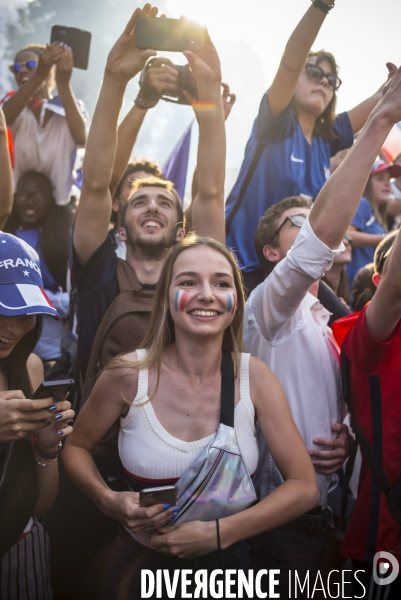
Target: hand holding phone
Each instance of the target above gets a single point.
(77, 39)
(166, 494)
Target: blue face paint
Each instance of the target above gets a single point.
(177, 300)
(230, 302)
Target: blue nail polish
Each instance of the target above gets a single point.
(176, 509)
(59, 416)
(166, 506)
(52, 407)
(60, 432)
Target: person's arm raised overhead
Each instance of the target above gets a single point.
(360, 113)
(6, 175)
(384, 311)
(157, 76)
(294, 58)
(338, 200)
(93, 215)
(75, 120)
(208, 205)
(17, 102)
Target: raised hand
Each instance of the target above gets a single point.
(391, 101)
(50, 55)
(205, 65)
(125, 60)
(228, 100)
(64, 67)
(161, 75)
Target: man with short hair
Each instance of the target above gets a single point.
(153, 213)
(286, 326)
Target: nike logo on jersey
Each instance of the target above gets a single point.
(296, 159)
(371, 221)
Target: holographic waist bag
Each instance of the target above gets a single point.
(217, 484)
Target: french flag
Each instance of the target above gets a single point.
(28, 298)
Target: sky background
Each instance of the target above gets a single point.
(250, 37)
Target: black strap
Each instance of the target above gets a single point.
(377, 470)
(259, 149)
(227, 389)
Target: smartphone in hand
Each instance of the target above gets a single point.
(170, 35)
(53, 389)
(166, 494)
(77, 39)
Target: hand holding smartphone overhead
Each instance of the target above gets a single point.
(171, 35)
(77, 39)
(53, 389)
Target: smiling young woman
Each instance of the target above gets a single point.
(167, 395)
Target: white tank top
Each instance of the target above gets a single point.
(150, 455)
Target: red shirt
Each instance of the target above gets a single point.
(376, 401)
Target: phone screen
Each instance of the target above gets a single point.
(78, 40)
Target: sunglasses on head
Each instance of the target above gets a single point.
(295, 220)
(29, 64)
(316, 74)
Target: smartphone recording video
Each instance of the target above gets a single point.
(170, 35)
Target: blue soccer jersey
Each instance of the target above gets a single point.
(364, 221)
(288, 166)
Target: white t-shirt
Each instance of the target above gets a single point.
(49, 150)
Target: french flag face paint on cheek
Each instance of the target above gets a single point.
(180, 300)
(231, 302)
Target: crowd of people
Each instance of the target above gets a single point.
(264, 326)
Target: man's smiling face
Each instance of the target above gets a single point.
(151, 219)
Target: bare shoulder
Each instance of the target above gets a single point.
(119, 379)
(263, 384)
(35, 370)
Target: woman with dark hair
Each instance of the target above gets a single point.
(293, 138)
(46, 130)
(30, 430)
(167, 396)
(369, 225)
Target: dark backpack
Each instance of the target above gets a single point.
(121, 330)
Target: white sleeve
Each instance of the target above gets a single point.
(275, 300)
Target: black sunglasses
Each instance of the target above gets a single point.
(295, 220)
(29, 64)
(316, 74)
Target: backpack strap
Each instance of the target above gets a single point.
(255, 160)
(227, 389)
(360, 438)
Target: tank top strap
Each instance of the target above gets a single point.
(244, 390)
(143, 379)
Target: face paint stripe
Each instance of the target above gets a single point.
(230, 302)
(183, 300)
(176, 300)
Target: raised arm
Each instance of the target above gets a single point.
(158, 76)
(93, 215)
(294, 58)
(338, 200)
(75, 120)
(384, 311)
(208, 205)
(17, 102)
(359, 114)
(6, 175)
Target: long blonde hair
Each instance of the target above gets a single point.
(161, 332)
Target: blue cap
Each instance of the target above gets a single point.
(21, 284)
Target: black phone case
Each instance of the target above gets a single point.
(78, 40)
(170, 35)
(57, 389)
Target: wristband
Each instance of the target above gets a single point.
(326, 8)
(147, 97)
(45, 464)
(44, 454)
